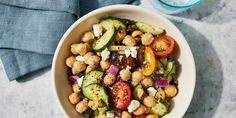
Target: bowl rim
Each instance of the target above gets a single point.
(107, 8)
(181, 6)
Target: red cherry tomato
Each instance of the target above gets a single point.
(140, 116)
(163, 45)
(121, 95)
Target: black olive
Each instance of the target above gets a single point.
(91, 114)
(131, 28)
(128, 22)
(155, 76)
(114, 56)
(140, 55)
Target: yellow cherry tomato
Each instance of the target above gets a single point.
(150, 61)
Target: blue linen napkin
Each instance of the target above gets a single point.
(31, 29)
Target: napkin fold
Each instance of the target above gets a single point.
(31, 29)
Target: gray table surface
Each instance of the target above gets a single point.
(210, 30)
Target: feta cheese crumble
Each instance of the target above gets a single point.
(134, 104)
(97, 30)
(110, 115)
(128, 67)
(127, 52)
(151, 91)
(133, 52)
(80, 80)
(105, 54)
(120, 57)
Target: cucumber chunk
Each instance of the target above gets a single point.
(119, 47)
(96, 93)
(160, 108)
(149, 28)
(92, 90)
(105, 40)
(92, 77)
(112, 22)
(138, 92)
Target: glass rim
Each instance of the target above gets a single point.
(181, 6)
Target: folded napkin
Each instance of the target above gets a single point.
(31, 29)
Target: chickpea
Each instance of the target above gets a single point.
(170, 91)
(129, 41)
(152, 116)
(78, 67)
(87, 56)
(109, 79)
(137, 76)
(140, 110)
(92, 105)
(147, 39)
(160, 93)
(94, 60)
(87, 37)
(90, 68)
(74, 98)
(81, 48)
(149, 101)
(70, 61)
(105, 64)
(76, 88)
(125, 74)
(89, 48)
(148, 110)
(137, 35)
(147, 82)
(125, 114)
(82, 106)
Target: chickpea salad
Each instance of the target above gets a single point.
(123, 69)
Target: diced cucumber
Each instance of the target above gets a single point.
(119, 47)
(138, 92)
(92, 77)
(149, 28)
(164, 62)
(91, 89)
(102, 110)
(173, 70)
(96, 93)
(160, 67)
(107, 23)
(169, 67)
(104, 40)
(160, 108)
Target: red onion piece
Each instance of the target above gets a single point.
(161, 83)
(73, 79)
(113, 70)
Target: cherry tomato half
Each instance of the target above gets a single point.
(121, 95)
(163, 45)
(140, 116)
(150, 61)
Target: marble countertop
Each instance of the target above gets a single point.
(210, 31)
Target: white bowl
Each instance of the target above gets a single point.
(186, 78)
